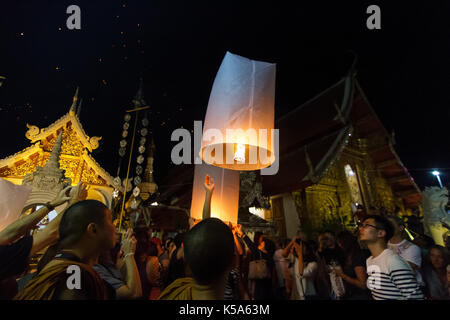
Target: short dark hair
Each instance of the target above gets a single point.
(76, 219)
(382, 223)
(209, 250)
(399, 221)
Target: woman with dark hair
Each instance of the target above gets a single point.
(435, 274)
(261, 249)
(353, 272)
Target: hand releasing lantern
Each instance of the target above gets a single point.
(224, 201)
(239, 122)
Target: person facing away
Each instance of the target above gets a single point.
(435, 273)
(353, 271)
(390, 277)
(261, 249)
(410, 252)
(208, 252)
(126, 285)
(85, 231)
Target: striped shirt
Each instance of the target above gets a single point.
(391, 278)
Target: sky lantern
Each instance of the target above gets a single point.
(239, 122)
(237, 133)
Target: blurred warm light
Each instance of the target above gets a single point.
(239, 156)
(154, 204)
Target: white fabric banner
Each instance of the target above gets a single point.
(12, 201)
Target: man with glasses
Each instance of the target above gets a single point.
(389, 276)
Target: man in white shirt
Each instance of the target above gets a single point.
(404, 248)
(389, 276)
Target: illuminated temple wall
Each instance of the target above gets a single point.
(330, 201)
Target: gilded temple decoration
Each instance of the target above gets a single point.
(353, 184)
(74, 156)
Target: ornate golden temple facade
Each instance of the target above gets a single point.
(74, 157)
(336, 158)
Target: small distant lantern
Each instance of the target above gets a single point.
(225, 197)
(239, 122)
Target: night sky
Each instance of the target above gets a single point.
(177, 48)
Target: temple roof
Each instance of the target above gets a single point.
(76, 146)
(313, 135)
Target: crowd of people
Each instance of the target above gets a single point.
(213, 260)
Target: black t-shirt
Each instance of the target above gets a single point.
(14, 257)
(335, 254)
(359, 260)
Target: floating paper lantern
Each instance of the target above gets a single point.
(239, 122)
(225, 197)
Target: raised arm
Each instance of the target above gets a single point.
(133, 288)
(250, 244)
(24, 224)
(209, 187)
(288, 248)
(299, 249)
(49, 235)
(237, 243)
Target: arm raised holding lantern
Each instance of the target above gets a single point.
(209, 186)
(27, 222)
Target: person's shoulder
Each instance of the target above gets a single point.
(394, 261)
(414, 247)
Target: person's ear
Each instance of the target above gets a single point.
(92, 228)
(381, 233)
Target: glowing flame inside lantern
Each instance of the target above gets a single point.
(239, 155)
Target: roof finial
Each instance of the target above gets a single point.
(138, 100)
(79, 108)
(74, 102)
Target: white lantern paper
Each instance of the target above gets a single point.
(225, 197)
(242, 98)
(12, 201)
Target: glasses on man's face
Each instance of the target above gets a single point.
(365, 225)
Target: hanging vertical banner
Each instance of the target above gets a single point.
(225, 197)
